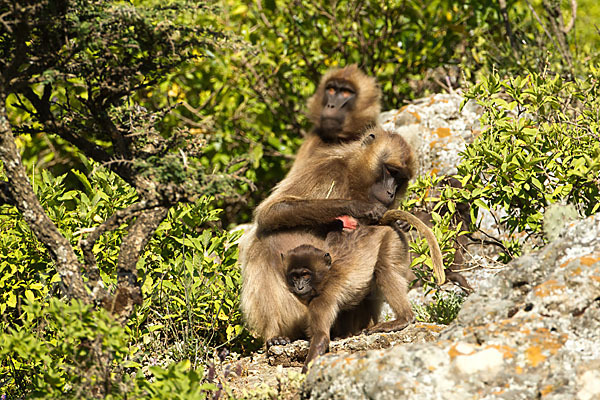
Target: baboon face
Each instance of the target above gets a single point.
(389, 174)
(345, 103)
(338, 100)
(306, 267)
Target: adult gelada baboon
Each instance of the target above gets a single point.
(344, 105)
(341, 180)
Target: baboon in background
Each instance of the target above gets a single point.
(345, 104)
(341, 180)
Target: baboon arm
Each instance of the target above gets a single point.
(321, 315)
(291, 213)
(319, 344)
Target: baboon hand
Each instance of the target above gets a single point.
(371, 212)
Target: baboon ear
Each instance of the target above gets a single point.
(368, 139)
(327, 258)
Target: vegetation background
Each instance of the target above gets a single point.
(184, 116)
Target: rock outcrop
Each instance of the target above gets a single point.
(532, 331)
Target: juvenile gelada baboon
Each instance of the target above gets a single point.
(360, 179)
(306, 271)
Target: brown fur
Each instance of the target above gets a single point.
(364, 115)
(333, 183)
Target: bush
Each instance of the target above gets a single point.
(191, 299)
(540, 146)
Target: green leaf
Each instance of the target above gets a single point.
(29, 296)
(84, 180)
(12, 300)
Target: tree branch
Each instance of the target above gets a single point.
(5, 196)
(117, 219)
(128, 291)
(20, 190)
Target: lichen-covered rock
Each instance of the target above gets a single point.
(533, 331)
(294, 354)
(437, 129)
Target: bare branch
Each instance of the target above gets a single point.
(571, 23)
(128, 291)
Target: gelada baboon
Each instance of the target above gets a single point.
(345, 104)
(359, 110)
(338, 181)
(306, 270)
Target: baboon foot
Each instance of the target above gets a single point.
(389, 326)
(278, 341)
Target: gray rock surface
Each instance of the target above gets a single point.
(437, 129)
(294, 354)
(532, 331)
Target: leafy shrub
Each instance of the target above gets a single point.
(540, 145)
(69, 351)
(191, 295)
(192, 282)
(63, 350)
(428, 194)
(443, 308)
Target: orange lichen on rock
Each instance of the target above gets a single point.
(590, 260)
(548, 288)
(534, 356)
(576, 271)
(549, 341)
(519, 370)
(547, 390)
(416, 115)
(429, 327)
(442, 132)
(507, 351)
(543, 340)
(454, 352)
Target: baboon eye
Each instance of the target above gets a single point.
(331, 91)
(346, 93)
